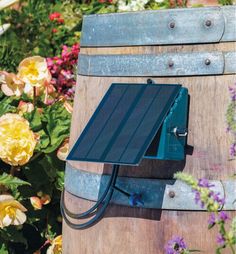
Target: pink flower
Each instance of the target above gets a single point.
(60, 21)
(62, 70)
(54, 15)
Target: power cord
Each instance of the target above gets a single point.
(94, 210)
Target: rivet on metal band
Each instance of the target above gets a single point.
(208, 23)
(207, 61)
(172, 25)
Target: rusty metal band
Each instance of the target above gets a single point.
(163, 64)
(155, 192)
(161, 27)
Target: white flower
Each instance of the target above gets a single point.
(6, 3)
(133, 5)
(11, 211)
(3, 28)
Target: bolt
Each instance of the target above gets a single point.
(150, 81)
(207, 61)
(170, 63)
(208, 23)
(172, 25)
(171, 194)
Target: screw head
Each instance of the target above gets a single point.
(171, 194)
(170, 63)
(208, 23)
(207, 61)
(172, 24)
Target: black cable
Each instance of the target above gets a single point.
(91, 210)
(107, 195)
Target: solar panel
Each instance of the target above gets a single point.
(124, 124)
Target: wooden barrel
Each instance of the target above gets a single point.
(130, 48)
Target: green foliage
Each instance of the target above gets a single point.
(225, 2)
(11, 182)
(43, 174)
(230, 116)
(31, 29)
(57, 121)
(8, 105)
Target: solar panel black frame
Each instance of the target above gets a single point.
(90, 143)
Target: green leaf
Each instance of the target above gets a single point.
(36, 175)
(11, 234)
(34, 119)
(60, 180)
(3, 249)
(57, 120)
(6, 105)
(11, 182)
(210, 226)
(218, 250)
(1, 97)
(42, 172)
(44, 141)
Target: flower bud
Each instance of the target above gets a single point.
(36, 203)
(45, 199)
(62, 152)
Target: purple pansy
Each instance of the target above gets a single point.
(176, 246)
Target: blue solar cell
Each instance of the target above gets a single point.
(125, 123)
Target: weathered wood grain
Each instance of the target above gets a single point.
(139, 231)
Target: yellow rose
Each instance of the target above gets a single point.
(34, 71)
(11, 84)
(17, 141)
(56, 247)
(11, 211)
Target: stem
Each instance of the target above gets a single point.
(232, 248)
(13, 170)
(34, 95)
(227, 240)
(35, 156)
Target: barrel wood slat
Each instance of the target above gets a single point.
(137, 230)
